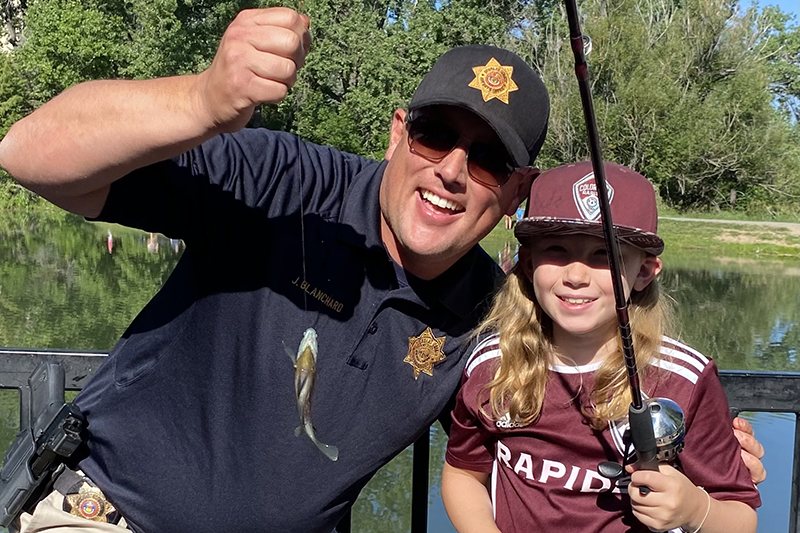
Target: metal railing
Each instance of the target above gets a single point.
(772, 392)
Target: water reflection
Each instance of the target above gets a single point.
(65, 283)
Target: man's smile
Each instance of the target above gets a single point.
(440, 202)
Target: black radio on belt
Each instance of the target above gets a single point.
(50, 431)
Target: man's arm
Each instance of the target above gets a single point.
(72, 148)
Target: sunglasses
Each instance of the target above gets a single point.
(432, 139)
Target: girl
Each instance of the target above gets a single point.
(544, 397)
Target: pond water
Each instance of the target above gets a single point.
(66, 283)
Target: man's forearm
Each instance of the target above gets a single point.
(96, 132)
(72, 148)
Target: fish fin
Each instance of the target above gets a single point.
(331, 452)
(290, 354)
(298, 431)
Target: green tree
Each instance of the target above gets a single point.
(685, 90)
(366, 60)
(682, 93)
(781, 46)
(67, 42)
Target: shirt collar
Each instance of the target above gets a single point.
(468, 285)
(360, 217)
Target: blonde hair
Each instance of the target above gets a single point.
(526, 344)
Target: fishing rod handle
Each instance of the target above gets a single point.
(644, 440)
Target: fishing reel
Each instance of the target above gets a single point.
(669, 428)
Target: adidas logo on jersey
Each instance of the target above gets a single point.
(506, 423)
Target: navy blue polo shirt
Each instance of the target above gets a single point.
(192, 417)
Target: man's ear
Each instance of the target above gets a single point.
(397, 132)
(524, 177)
(651, 266)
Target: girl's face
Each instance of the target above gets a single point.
(572, 282)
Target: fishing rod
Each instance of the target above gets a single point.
(641, 424)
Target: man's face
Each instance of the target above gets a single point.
(433, 212)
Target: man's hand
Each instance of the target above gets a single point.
(752, 450)
(256, 62)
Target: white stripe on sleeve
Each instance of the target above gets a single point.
(689, 349)
(675, 354)
(677, 369)
(491, 354)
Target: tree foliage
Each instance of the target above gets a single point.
(682, 94)
(699, 95)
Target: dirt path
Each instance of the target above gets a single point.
(794, 227)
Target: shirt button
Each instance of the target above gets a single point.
(372, 328)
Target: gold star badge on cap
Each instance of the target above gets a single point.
(493, 80)
(424, 352)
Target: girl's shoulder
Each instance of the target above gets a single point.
(682, 361)
(484, 355)
(683, 374)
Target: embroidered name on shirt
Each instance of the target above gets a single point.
(324, 298)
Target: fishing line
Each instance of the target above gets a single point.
(303, 242)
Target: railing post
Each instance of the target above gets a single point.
(794, 523)
(345, 523)
(746, 391)
(419, 484)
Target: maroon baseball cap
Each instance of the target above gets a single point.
(564, 201)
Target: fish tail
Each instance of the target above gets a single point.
(331, 452)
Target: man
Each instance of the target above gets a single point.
(192, 419)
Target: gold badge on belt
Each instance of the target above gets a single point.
(90, 503)
(493, 80)
(424, 352)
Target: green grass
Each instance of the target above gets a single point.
(785, 214)
(731, 240)
(718, 239)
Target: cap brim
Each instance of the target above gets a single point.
(537, 226)
(512, 142)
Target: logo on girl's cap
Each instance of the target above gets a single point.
(584, 191)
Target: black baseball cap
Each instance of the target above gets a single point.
(499, 87)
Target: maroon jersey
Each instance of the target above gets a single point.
(544, 476)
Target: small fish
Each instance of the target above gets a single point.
(305, 371)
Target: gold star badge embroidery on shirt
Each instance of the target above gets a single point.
(493, 80)
(424, 352)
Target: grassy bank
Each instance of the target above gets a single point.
(729, 239)
(786, 213)
(713, 238)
